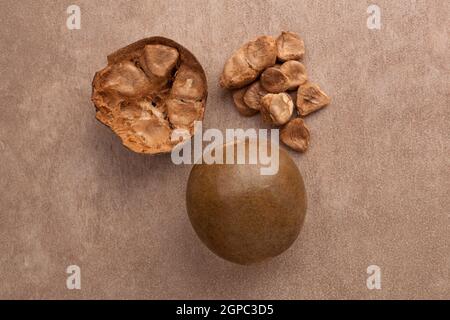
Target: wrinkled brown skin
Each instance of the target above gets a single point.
(241, 106)
(125, 103)
(243, 216)
(247, 63)
(295, 135)
(311, 98)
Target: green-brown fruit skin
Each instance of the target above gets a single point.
(243, 216)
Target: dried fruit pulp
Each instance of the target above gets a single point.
(148, 90)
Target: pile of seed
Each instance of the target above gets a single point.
(263, 74)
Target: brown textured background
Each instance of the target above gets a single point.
(377, 172)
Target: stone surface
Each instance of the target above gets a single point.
(376, 171)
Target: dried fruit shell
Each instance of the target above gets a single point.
(149, 89)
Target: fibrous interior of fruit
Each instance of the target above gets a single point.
(149, 93)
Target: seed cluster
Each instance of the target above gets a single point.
(263, 74)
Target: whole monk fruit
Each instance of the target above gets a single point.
(242, 215)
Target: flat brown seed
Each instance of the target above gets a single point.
(241, 106)
(310, 98)
(188, 84)
(296, 73)
(247, 63)
(295, 134)
(124, 79)
(261, 53)
(158, 62)
(277, 109)
(182, 114)
(253, 95)
(290, 46)
(274, 80)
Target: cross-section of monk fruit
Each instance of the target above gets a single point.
(149, 90)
